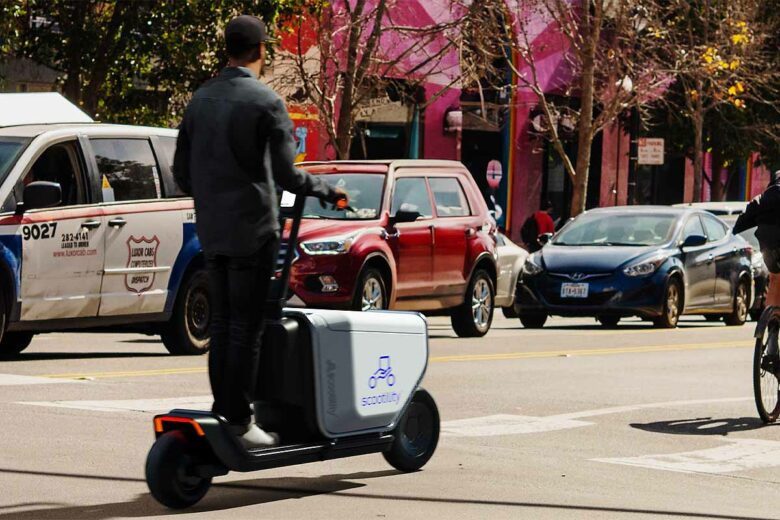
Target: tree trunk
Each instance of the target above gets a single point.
(717, 187)
(585, 131)
(698, 145)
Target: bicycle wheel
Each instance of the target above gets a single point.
(765, 371)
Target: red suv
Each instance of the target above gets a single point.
(417, 236)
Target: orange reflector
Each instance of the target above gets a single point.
(159, 421)
(342, 203)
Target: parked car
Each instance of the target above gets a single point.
(511, 258)
(719, 208)
(653, 262)
(760, 272)
(728, 211)
(93, 231)
(418, 236)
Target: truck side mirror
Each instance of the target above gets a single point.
(40, 194)
(402, 216)
(694, 241)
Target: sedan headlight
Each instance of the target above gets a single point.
(328, 246)
(531, 267)
(645, 267)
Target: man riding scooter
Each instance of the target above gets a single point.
(235, 146)
(763, 213)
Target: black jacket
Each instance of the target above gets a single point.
(764, 212)
(235, 145)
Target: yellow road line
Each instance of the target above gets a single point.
(129, 373)
(592, 352)
(450, 359)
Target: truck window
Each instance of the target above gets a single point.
(127, 168)
(58, 163)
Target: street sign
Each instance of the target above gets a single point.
(650, 151)
(494, 173)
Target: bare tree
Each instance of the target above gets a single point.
(363, 49)
(605, 68)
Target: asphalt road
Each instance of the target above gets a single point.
(572, 421)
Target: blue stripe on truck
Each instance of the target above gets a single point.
(190, 248)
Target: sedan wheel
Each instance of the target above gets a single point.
(740, 313)
(671, 307)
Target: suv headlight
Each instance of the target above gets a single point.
(531, 267)
(328, 246)
(645, 267)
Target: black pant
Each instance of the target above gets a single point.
(239, 290)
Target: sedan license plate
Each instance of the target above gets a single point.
(574, 290)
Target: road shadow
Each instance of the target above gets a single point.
(221, 497)
(703, 426)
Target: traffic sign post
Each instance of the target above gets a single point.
(650, 151)
(494, 173)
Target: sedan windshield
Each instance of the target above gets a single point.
(10, 149)
(365, 197)
(611, 229)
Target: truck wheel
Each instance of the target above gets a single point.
(187, 332)
(14, 342)
(371, 293)
(169, 472)
(416, 434)
(473, 317)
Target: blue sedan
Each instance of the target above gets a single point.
(657, 263)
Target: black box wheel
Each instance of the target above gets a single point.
(416, 435)
(169, 472)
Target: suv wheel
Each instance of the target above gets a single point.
(371, 293)
(473, 317)
(187, 331)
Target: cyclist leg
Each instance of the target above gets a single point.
(773, 299)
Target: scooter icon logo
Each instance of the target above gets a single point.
(385, 371)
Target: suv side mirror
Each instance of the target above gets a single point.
(402, 216)
(40, 194)
(544, 238)
(694, 241)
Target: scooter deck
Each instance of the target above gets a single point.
(232, 456)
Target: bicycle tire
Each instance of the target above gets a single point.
(766, 387)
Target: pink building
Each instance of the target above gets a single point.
(456, 124)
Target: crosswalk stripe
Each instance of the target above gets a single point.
(736, 455)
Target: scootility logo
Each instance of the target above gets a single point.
(383, 374)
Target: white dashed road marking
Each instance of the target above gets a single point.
(506, 425)
(17, 380)
(503, 424)
(737, 455)
(133, 405)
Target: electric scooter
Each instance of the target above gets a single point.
(331, 383)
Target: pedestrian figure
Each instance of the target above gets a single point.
(235, 146)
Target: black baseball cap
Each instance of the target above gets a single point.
(244, 32)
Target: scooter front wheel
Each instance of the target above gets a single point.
(416, 435)
(169, 472)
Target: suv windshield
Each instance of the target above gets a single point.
(609, 229)
(10, 149)
(365, 197)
